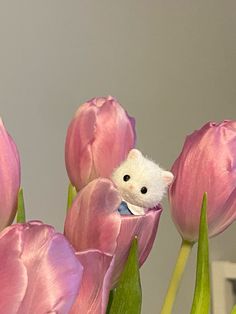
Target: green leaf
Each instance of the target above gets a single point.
(201, 300)
(20, 207)
(233, 310)
(71, 195)
(127, 297)
(111, 296)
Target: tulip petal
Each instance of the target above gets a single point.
(78, 145)
(93, 221)
(9, 177)
(46, 271)
(55, 261)
(13, 273)
(95, 288)
(114, 133)
(145, 229)
(227, 217)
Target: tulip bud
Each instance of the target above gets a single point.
(9, 177)
(98, 140)
(93, 222)
(207, 163)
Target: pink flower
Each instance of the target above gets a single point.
(9, 177)
(207, 163)
(93, 222)
(98, 140)
(39, 270)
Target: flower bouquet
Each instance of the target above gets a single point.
(112, 217)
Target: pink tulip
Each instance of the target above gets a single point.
(39, 270)
(9, 177)
(93, 222)
(207, 163)
(98, 140)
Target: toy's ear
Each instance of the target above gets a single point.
(167, 177)
(134, 154)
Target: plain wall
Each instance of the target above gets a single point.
(172, 64)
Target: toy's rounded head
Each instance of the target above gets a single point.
(140, 181)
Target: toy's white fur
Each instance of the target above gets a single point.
(143, 173)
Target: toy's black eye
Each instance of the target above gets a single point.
(126, 177)
(143, 190)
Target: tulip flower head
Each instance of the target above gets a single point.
(207, 163)
(93, 222)
(9, 177)
(39, 270)
(98, 140)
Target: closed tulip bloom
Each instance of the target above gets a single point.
(207, 163)
(93, 222)
(98, 140)
(9, 177)
(39, 270)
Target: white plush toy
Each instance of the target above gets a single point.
(141, 183)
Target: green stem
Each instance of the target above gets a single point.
(20, 216)
(71, 195)
(184, 253)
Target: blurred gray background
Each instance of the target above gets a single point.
(171, 64)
